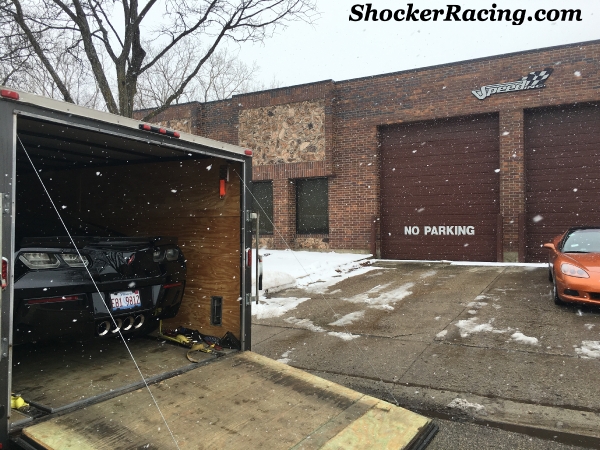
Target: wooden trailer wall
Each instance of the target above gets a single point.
(174, 198)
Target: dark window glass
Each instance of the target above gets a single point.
(263, 194)
(311, 206)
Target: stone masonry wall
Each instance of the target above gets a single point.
(288, 133)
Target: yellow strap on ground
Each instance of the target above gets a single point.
(17, 402)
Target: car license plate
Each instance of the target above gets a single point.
(125, 300)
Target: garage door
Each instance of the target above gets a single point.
(440, 189)
(562, 160)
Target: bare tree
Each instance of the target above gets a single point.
(119, 41)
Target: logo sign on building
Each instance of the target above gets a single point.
(535, 80)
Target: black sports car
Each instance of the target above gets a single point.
(139, 280)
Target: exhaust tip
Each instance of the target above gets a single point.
(118, 327)
(138, 321)
(128, 323)
(103, 328)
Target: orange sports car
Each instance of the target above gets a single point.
(574, 265)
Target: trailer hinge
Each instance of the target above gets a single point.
(4, 348)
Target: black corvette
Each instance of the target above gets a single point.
(59, 293)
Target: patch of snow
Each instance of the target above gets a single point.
(438, 317)
(442, 334)
(589, 349)
(520, 337)
(336, 291)
(348, 319)
(470, 326)
(304, 323)
(275, 307)
(476, 305)
(589, 326)
(317, 271)
(285, 357)
(472, 311)
(386, 299)
(461, 403)
(428, 274)
(344, 336)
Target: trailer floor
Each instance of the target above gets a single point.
(56, 376)
(240, 401)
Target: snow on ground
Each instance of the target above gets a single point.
(589, 349)
(307, 324)
(316, 271)
(348, 319)
(470, 326)
(520, 337)
(275, 307)
(386, 299)
(461, 403)
(285, 357)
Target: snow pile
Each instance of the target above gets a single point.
(461, 403)
(589, 349)
(283, 269)
(520, 337)
(275, 307)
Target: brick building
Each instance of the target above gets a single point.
(476, 160)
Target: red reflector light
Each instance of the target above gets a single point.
(69, 298)
(162, 131)
(4, 275)
(249, 257)
(176, 134)
(146, 127)
(222, 189)
(9, 94)
(172, 285)
(248, 152)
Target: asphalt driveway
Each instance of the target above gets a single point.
(485, 343)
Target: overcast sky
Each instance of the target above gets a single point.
(336, 48)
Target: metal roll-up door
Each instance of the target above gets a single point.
(562, 161)
(440, 189)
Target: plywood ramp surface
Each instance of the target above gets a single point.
(244, 401)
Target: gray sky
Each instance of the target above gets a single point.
(335, 48)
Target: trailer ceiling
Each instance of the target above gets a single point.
(56, 146)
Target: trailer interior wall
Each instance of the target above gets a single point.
(130, 187)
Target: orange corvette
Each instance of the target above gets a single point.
(574, 265)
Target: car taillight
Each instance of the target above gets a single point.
(39, 260)
(4, 279)
(64, 298)
(171, 254)
(73, 260)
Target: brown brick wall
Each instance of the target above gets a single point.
(354, 109)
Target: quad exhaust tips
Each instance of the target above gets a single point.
(129, 323)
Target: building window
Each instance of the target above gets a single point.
(312, 212)
(263, 194)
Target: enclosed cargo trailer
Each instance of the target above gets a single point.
(142, 188)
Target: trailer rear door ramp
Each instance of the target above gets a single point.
(241, 401)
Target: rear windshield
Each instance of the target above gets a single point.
(582, 241)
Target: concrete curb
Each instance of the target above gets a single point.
(566, 425)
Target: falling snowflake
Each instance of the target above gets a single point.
(538, 218)
(209, 167)
(575, 190)
(174, 191)
(506, 133)
(97, 174)
(420, 210)
(577, 73)
(64, 206)
(497, 170)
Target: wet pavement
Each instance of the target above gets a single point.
(477, 343)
